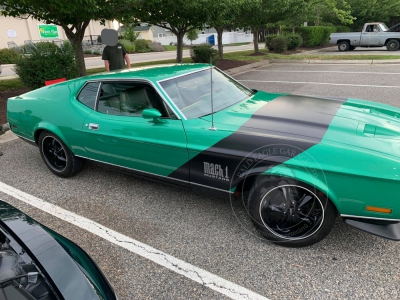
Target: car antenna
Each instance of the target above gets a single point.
(212, 99)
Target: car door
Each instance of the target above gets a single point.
(371, 36)
(116, 132)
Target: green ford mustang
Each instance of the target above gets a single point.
(300, 161)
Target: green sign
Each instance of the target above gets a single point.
(48, 31)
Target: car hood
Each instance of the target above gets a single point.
(349, 122)
(54, 256)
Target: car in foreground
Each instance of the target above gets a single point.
(298, 161)
(37, 263)
(373, 35)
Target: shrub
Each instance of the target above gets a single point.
(8, 56)
(203, 52)
(87, 51)
(280, 44)
(156, 47)
(327, 32)
(142, 46)
(312, 35)
(99, 39)
(294, 41)
(96, 53)
(129, 46)
(268, 40)
(47, 61)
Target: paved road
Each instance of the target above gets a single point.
(200, 227)
(358, 51)
(97, 62)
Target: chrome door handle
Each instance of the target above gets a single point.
(93, 126)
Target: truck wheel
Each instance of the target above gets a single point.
(288, 214)
(392, 45)
(343, 46)
(352, 48)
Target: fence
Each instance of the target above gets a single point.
(227, 38)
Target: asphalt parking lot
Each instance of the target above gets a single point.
(207, 230)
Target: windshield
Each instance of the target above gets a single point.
(192, 93)
(383, 27)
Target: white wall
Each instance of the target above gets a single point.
(227, 38)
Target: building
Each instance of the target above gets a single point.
(17, 31)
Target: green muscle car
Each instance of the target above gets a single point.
(300, 161)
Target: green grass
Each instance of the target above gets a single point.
(10, 84)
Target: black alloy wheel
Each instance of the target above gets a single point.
(57, 156)
(290, 214)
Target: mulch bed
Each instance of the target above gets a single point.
(3, 101)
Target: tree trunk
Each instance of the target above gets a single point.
(76, 39)
(179, 50)
(293, 29)
(79, 57)
(255, 38)
(220, 30)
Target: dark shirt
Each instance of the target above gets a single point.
(115, 56)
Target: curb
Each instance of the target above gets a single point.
(8, 136)
(245, 68)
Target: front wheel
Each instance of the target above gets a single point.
(343, 46)
(57, 157)
(393, 45)
(290, 214)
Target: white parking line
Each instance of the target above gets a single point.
(181, 267)
(323, 83)
(341, 72)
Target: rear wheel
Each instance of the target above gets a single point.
(57, 156)
(343, 46)
(290, 214)
(392, 45)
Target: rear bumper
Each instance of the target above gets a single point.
(382, 228)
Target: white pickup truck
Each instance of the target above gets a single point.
(372, 35)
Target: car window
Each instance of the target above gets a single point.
(88, 94)
(192, 93)
(129, 99)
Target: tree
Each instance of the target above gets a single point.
(257, 13)
(192, 34)
(373, 10)
(223, 14)
(178, 16)
(333, 12)
(73, 16)
(129, 33)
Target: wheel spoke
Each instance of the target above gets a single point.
(291, 212)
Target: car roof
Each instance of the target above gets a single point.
(153, 73)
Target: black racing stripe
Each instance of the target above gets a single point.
(280, 130)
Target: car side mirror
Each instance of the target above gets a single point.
(152, 113)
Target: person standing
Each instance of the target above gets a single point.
(114, 54)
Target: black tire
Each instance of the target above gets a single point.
(343, 46)
(393, 45)
(289, 213)
(351, 48)
(57, 156)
